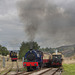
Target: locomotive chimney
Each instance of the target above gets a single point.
(56, 51)
(31, 45)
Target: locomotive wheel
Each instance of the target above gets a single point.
(47, 65)
(12, 60)
(31, 68)
(28, 69)
(34, 68)
(40, 65)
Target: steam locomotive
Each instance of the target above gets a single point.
(33, 59)
(56, 59)
(13, 56)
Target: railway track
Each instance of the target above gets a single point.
(45, 71)
(10, 71)
(41, 71)
(27, 73)
(36, 72)
(53, 71)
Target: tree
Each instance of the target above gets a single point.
(25, 46)
(3, 50)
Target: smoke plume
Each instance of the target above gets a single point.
(47, 20)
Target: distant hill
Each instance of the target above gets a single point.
(67, 50)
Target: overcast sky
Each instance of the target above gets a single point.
(12, 29)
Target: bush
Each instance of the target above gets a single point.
(3, 51)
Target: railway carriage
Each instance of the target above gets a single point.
(47, 59)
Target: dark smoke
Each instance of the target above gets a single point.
(47, 20)
(30, 15)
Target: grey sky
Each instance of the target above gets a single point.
(10, 26)
(12, 29)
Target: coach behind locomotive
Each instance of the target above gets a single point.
(46, 59)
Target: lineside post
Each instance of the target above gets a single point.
(22, 60)
(3, 62)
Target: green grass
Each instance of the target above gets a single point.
(69, 69)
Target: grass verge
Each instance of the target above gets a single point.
(69, 69)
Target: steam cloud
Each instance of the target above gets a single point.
(47, 20)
